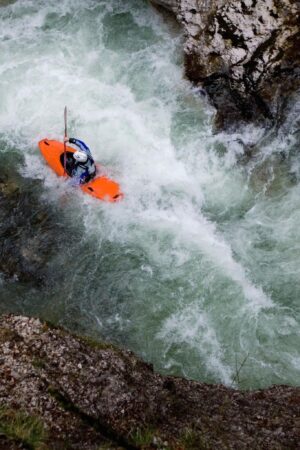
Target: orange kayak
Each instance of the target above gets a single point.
(100, 187)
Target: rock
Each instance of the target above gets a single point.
(93, 395)
(170, 5)
(30, 230)
(245, 54)
(6, 2)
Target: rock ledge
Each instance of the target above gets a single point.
(89, 395)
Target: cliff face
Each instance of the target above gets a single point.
(59, 391)
(245, 54)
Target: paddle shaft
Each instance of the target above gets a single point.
(65, 145)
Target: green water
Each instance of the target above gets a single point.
(197, 270)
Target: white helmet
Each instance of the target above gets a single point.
(80, 156)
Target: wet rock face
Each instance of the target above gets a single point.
(245, 53)
(87, 393)
(171, 5)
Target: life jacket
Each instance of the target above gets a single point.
(84, 171)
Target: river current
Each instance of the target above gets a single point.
(197, 269)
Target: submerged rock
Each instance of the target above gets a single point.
(87, 395)
(30, 231)
(245, 54)
(6, 2)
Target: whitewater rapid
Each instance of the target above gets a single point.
(197, 269)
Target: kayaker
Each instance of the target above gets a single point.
(84, 168)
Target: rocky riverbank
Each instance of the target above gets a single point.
(245, 54)
(61, 391)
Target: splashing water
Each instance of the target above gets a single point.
(197, 269)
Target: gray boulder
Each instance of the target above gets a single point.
(244, 53)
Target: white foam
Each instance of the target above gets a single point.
(188, 205)
(191, 326)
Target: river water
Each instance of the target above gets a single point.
(197, 270)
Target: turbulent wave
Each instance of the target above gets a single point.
(198, 268)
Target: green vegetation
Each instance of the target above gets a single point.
(98, 345)
(194, 440)
(108, 446)
(142, 437)
(38, 363)
(18, 426)
(8, 335)
(93, 343)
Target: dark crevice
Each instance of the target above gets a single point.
(263, 47)
(245, 8)
(273, 14)
(250, 66)
(229, 31)
(263, 107)
(218, 84)
(96, 424)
